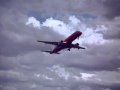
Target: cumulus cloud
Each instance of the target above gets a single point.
(90, 35)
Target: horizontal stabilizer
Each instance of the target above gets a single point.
(81, 48)
(50, 52)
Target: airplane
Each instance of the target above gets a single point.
(67, 43)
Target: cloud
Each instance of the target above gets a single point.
(6, 63)
(90, 35)
(33, 21)
(86, 76)
(112, 8)
(113, 29)
(102, 59)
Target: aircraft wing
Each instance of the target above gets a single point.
(48, 42)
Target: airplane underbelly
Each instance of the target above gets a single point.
(56, 49)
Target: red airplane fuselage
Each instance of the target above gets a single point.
(67, 41)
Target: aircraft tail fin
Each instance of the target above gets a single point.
(50, 52)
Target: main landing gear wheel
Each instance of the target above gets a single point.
(68, 49)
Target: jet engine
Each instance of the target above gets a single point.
(76, 45)
(60, 43)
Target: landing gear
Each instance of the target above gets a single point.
(61, 41)
(68, 49)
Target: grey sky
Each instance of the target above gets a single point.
(24, 67)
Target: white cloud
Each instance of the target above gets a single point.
(33, 21)
(89, 36)
(60, 71)
(37, 75)
(87, 76)
(44, 76)
(74, 23)
(58, 26)
(74, 20)
(77, 78)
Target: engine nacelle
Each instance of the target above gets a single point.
(76, 45)
(60, 43)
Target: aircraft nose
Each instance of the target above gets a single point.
(79, 32)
